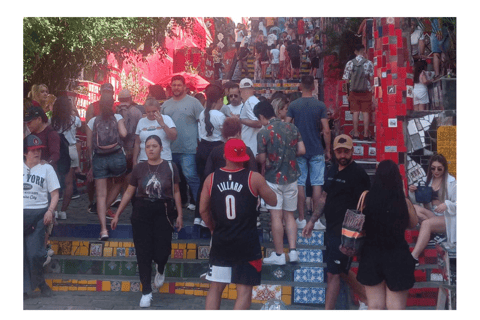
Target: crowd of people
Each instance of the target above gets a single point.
(275, 44)
(232, 149)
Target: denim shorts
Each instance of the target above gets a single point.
(109, 166)
(314, 165)
(439, 46)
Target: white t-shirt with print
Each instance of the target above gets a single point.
(249, 134)
(235, 109)
(146, 128)
(216, 118)
(275, 56)
(38, 182)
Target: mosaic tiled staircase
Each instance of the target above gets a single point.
(81, 262)
(304, 68)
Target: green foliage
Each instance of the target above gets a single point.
(56, 49)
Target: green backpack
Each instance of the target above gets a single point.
(358, 82)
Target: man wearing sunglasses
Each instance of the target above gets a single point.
(235, 99)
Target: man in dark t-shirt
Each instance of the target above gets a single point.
(227, 206)
(343, 186)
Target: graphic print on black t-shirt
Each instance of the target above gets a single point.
(153, 187)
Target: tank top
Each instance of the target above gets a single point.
(233, 207)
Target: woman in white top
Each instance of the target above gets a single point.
(107, 157)
(39, 180)
(65, 122)
(210, 125)
(157, 124)
(420, 89)
(440, 215)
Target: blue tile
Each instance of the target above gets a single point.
(300, 295)
(303, 255)
(318, 295)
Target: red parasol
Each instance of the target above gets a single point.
(193, 81)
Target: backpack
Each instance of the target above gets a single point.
(106, 139)
(358, 82)
(64, 162)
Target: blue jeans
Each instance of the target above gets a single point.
(187, 163)
(315, 165)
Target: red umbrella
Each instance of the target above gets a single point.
(193, 81)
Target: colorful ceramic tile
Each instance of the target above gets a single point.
(132, 252)
(266, 292)
(96, 249)
(203, 252)
(112, 268)
(309, 274)
(65, 247)
(121, 252)
(318, 295)
(300, 295)
(315, 255)
(55, 266)
(173, 270)
(129, 268)
(303, 255)
(116, 286)
(178, 254)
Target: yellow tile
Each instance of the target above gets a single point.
(287, 299)
(192, 254)
(225, 293)
(114, 244)
(165, 288)
(91, 289)
(197, 285)
(287, 290)
(55, 248)
(125, 286)
(56, 280)
(179, 291)
(106, 286)
(92, 282)
(174, 246)
(232, 294)
(172, 254)
(232, 286)
(106, 244)
(198, 293)
(189, 292)
(184, 254)
(49, 282)
(126, 252)
(83, 251)
(107, 252)
(189, 284)
(72, 288)
(191, 246)
(63, 288)
(82, 289)
(74, 251)
(114, 251)
(74, 281)
(75, 243)
(182, 246)
(204, 285)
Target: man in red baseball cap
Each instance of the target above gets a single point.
(228, 207)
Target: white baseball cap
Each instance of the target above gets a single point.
(246, 83)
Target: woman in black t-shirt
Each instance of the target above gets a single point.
(151, 182)
(386, 267)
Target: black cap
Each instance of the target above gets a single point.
(34, 112)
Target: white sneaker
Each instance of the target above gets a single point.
(293, 256)
(197, 221)
(363, 306)
(258, 222)
(274, 259)
(319, 225)
(62, 215)
(146, 300)
(202, 223)
(301, 224)
(159, 278)
(191, 206)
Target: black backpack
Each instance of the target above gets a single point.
(106, 139)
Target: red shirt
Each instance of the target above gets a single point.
(301, 26)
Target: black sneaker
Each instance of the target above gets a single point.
(92, 208)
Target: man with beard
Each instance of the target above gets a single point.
(343, 186)
(184, 111)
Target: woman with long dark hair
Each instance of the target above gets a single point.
(210, 123)
(152, 227)
(65, 121)
(386, 267)
(440, 215)
(107, 157)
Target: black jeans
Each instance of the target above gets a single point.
(152, 237)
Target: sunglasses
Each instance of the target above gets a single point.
(439, 169)
(233, 95)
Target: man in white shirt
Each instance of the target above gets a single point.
(275, 62)
(281, 74)
(251, 124)
(235, 98)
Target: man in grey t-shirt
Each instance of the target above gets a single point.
(184, 111)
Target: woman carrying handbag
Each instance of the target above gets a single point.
(386, 267)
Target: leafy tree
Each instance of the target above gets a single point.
(56, 49)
